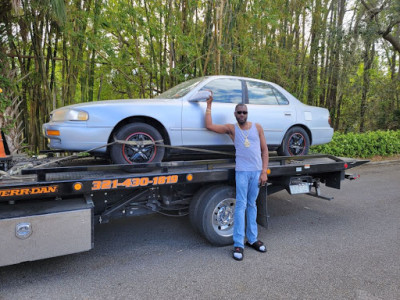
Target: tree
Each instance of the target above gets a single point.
(390, 10)
(338, 54)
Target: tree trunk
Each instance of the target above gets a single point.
(336, 62)
(314, 53)
(368, 60)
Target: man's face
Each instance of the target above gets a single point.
(241, 114)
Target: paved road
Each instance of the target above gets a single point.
(344, 249)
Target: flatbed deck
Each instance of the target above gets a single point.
(16, 187)
(89, 169)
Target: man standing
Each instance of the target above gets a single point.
(251, 172)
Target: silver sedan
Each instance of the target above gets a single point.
(176, 118)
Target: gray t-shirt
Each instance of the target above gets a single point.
(247, 158)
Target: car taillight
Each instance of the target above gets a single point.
(330, 121)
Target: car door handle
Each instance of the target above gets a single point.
(288, 113)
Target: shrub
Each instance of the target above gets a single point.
(363, 145)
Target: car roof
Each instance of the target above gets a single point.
(234, 76)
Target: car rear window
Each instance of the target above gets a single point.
(263, 94)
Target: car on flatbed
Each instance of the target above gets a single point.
(176, 118)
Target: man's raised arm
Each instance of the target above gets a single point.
(215, 127)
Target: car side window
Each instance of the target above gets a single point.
(281, 99)
(263, 94)
(225, 90)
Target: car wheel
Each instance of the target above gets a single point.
(296, 142)
(131, 154)
(215, 215)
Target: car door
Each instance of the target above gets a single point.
(227, 92)
(268, 107)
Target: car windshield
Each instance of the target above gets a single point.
(180, 90)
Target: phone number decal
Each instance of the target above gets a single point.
(133, 182)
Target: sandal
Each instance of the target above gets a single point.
(258, 245)
(238, 253)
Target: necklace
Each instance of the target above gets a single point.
(246, 141)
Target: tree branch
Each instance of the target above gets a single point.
(394, 41)
(373, 14)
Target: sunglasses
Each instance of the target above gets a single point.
(241, 112)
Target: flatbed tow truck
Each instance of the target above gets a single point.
(51, 209)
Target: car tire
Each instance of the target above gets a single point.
(131, 154)
(295, 142)
(215, 215)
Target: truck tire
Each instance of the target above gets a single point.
(194, 215)
(215, 215)
(295, 142)
(131, 154)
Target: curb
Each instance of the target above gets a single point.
(384, 162)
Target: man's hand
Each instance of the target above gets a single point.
(210, 99)
(263, 179)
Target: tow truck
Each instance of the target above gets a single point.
(51, 209)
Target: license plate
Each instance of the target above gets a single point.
(299, 188)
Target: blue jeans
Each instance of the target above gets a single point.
(246, 207)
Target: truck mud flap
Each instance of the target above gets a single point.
(262, 207)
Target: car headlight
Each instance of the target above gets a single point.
(67, 114)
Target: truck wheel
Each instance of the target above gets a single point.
(194, 215)
(295, 142)
(131, 154)
(215, 215)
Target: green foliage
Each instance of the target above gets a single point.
(6, 90)
(4, 100)
(5, 85)
(363, 145)
(66, 52)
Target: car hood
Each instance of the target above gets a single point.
(110, 112)
(121, 102)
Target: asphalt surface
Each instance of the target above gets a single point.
(347, 248)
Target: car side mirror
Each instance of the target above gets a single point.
(200, 96)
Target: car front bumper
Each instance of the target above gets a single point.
(77, 137)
